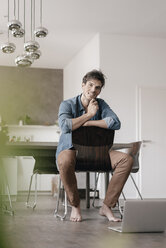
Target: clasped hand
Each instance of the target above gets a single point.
(92, 107)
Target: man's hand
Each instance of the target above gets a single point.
(81, 120)
(92, 107)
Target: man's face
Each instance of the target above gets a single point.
(91, 89)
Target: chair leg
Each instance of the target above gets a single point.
(9, 196)
(34, 205)
(58, 197)
(29, 192)
(120, 207)
(87, 189)
(106, 180)
(95, 189)
(6, 184)
(123, 196)
(96, 182)
(56, 214)
(136, 186)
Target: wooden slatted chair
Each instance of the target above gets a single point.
(93, 145)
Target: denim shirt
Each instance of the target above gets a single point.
(73, 108)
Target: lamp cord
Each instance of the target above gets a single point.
(8, 22)
(24, 21)
(15, 9)
(41, 13)
(18, 4)
(33, 19)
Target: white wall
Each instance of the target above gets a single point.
(84, 61)
(128, 62)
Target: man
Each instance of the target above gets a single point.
(88, 110)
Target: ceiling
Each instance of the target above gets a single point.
(72, 23)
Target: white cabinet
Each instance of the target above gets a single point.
(10, 172)
(24, 172)
(34, 133)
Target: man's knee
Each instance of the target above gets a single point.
(66, 159)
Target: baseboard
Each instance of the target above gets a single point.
(82, 193)
(25, 193)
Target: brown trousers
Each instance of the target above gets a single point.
(121, 164)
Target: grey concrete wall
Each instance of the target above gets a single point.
(30, 91)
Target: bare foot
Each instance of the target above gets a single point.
(76, 214)
(106, 211)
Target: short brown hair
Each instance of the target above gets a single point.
(94, 74)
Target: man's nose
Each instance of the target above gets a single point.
(93, 89)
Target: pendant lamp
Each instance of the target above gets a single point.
(24, 60)
(41, 32)
(8, 47)
(14, 24)
(18, 33)
(32, 45)
(34, 55)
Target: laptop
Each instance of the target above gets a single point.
(142, 216)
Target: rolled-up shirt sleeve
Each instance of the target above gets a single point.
(65, 117)
(111, 119)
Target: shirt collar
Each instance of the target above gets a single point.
(80, 106)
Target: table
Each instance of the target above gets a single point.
(41, 149)
(34, 149)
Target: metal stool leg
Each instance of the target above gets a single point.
(6, 184)
(34, 205)
(58, 197)
(62, 217)
(29, 192)
(136, 186)
(96, 182)
(123, 196)
(121, 207)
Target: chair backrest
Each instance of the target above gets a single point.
(93, 145)
(45, 165)
(134, 152)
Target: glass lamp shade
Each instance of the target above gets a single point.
(8, 47)
(41, 32)
(31, 46)
(18, 33)
(34, 55)
(23, 60)
(14, 24)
